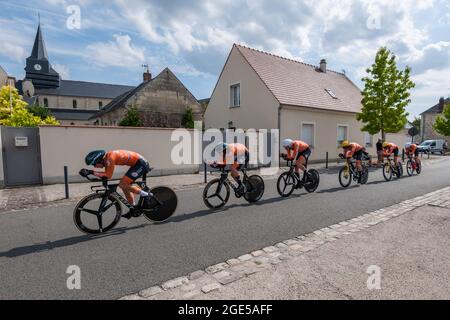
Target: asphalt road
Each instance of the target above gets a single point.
(37, 246)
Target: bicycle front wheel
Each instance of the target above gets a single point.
(255, 189)
(286, 184)
(97, 213)
(409, 168)
(387, 172)
(345, 177)
(216, 194)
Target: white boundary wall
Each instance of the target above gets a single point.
(68, 145)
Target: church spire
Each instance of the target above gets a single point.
(39, 51)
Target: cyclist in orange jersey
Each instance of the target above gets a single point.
(235, 154)
(109, 160)
(389, 149)
(299, 152)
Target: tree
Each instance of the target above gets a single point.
(417, 123)
(188, 119)
(442, 124)
(19, 115)
(132, 118)
(386, 95)
(40, 111)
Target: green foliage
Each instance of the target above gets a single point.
(442, 125)
(20, 115)
(416, 123)
(188, 119)
(132, 118)
(40, 111)
(386, 95)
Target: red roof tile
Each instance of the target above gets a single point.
(298, 84)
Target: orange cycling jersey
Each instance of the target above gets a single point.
(297, 146)
(390, 149)
(234, 151)
(353, 148)
(118, 158)
(411, 150)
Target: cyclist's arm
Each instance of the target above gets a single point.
(109, 171)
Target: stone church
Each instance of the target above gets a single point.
(70, 102)
(161, 101)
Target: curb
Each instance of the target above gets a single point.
(213, 278)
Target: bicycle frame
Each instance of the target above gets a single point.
(225, 180)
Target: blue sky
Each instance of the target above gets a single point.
(193, 38)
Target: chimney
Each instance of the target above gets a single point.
(441, 104)
(323, 65)
(147, 76)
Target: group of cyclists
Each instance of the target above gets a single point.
(233, 154)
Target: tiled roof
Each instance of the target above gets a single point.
(437, 107)
(295, 83)
(69, 114)
(86, 89)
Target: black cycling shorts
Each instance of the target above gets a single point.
(416, 153)
(306, 154)
(138, 170)
(358, 155)
(396, 152)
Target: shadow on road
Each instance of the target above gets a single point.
(50, 245)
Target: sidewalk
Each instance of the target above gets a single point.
(36, 196)
(407, 243)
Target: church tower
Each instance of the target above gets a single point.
(38, 68)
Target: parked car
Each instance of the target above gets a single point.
(432, 146)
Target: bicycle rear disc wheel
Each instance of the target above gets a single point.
(166, 203)
(255, 189)
(87, 218)
(419, 168)
(216, 194)
(345, 177)
(286, 184)
(313, 181)
(387, 172)
(365, 175)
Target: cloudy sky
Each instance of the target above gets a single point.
(115, 37)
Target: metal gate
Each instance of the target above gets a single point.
(21, 156)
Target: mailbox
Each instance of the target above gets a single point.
(21, 141)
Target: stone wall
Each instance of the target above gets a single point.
(83, 103)
(428, 120)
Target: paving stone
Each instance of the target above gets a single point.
(231, 278)
(131, 297)
(233, 262)
(188, 287)
(257, 253)
(192, 294)
(281, 245)
(270, 249)
(296, 247)
(221, 274)
(197, 274)
(211, 287)
(217, 267)
(147, 293)
(245, 257)
(178, 282)
(290, 242)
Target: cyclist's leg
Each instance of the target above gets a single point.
(358, 157)
(416, 157)
(396, 157)
(130, 177)
(129, 190)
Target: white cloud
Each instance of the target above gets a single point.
(63, 70)
(118, 53)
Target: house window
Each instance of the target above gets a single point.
(331, 93)
(342, 134)
(46, 102)
(368, 139)
(235, 95)
(307, 133)
(74, 104)
(100, 104)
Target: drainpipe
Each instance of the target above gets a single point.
(279, 126)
